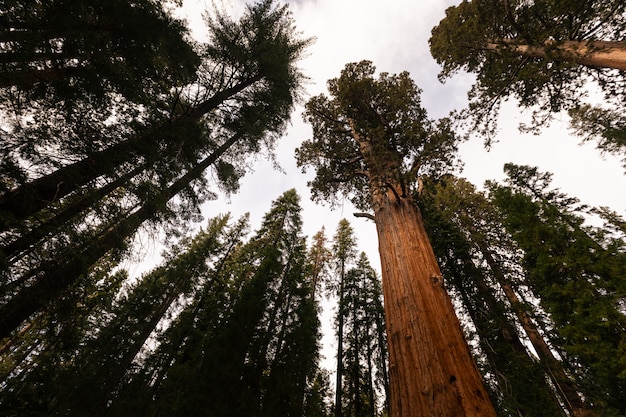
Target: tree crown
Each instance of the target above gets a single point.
(372, 133)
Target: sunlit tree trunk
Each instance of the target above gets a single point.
(365, 138)
(439, 376)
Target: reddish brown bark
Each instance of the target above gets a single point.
(431, 370)
(601, 54)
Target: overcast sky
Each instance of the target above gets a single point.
(394, 36)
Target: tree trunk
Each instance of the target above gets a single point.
(563, 384)
(56, 276)
(431, 369)
(599, 54)
(339, 386)
(516, 390)
(29, 198)
(26, 242)
(382, 346)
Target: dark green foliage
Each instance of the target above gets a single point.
(607, 127)
(247, 344)
(577, 274)
(70, 51)
(36, 362)
(482, 37)
(387, 113)
(316, 400)
(516, 379)
(223, 327)
(150, 167)
(105, 350)
(365, 359)
(361, 375)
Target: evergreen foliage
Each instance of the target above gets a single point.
(362, 383)
(149, 165)
(225, 326)
(463, 226)
(541, 53)
(115, 122)
(577, 274)
(526, 241)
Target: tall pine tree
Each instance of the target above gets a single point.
(156, 170)
(577, 275)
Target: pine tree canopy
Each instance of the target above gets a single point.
(94, 186)
(542, 53)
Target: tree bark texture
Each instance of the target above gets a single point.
(431, 369)
(598, 54)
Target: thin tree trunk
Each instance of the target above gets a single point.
(382, 347)
(26, 242)
(57, 277)
(564, 385)
(599, 54)
(369, 321)
(370, 379)
(339, 387)
(215, 285)
(29, 198)
(502, 363)
(116, 368)
(356, 394)
(432, 372)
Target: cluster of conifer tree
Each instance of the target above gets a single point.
(544, 292)
(115, 124)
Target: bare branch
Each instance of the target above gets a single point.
(366, 215)
(393, 190)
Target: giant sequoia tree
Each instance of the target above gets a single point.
(539, 52)
(371, 139)
(149, 167)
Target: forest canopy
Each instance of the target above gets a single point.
(121, 131)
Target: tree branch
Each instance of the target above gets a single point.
(513, 22)
(393, 190)
(366, 215)
(606, 18)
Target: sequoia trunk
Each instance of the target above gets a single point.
(600, 54)
(431, 370)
